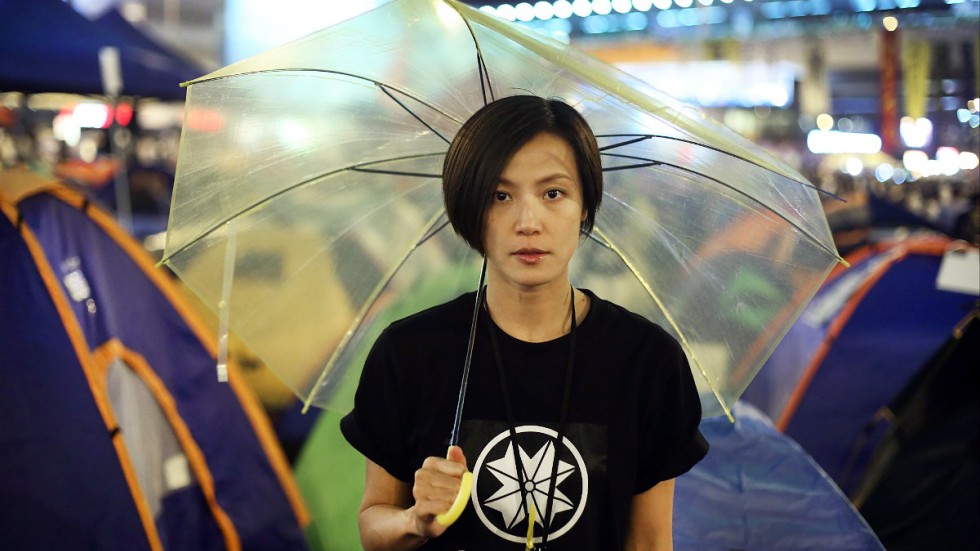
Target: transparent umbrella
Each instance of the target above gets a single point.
(307, 209)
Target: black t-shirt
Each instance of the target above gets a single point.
(632, 420)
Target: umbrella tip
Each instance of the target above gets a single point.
(844, 263)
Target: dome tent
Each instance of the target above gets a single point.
(867, 333)
(116, 433)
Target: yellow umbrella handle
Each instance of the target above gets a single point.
(462, 497)
(532, 516)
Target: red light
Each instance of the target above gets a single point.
(124, 114)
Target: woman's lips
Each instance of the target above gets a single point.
(530, 256)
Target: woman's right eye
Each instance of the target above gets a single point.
(499, 196)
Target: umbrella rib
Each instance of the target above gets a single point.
(636, 138)
(484, 74)
(384, 88)
(264, 200)
(395, 172)
(605, 242)
(328, 71)
(368, 304)
(651, 162)
(626, 167)
(432, 233)
(485, 85)
(644, 137)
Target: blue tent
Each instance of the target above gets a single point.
(757, 489)
(922, 488)
(116, 433)
(46, 46)
(867, 332)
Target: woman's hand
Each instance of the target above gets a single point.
(435, 489)
(390, 521)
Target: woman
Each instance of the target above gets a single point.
(522, 183)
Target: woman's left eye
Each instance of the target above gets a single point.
(553, 193)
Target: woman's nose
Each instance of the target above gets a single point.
(528, 217)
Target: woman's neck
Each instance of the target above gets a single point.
(534, 315)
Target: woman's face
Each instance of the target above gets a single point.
(533, 223)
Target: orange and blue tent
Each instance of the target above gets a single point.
(867, 333)
(115, 431)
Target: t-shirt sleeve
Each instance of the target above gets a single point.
(374, 426)
(671, 442)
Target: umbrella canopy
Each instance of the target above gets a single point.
(340, 137)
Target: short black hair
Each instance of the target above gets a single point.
(487, 141)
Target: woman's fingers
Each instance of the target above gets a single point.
(456, 455)
(444, 466)
(437, 483)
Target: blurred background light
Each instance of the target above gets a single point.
(66, 129)
(968, 160)
(948, 159)
(900, 176)
(831, 141)
(622, 6)
(582, 8)
(863, 5)
(884, 172)
(854, 166)
(825, 122)
(544, 10)
(92, 115)
(563, 9)
(506, 11)
(915, 132)
(601, 7)
(636, 22)
(524, 12)
(915, 161)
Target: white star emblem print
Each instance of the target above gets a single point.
(537, 476)
(497, 492)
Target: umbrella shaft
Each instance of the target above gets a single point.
(454, 436)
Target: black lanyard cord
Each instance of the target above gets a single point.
(512, 426)
(566, 395)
